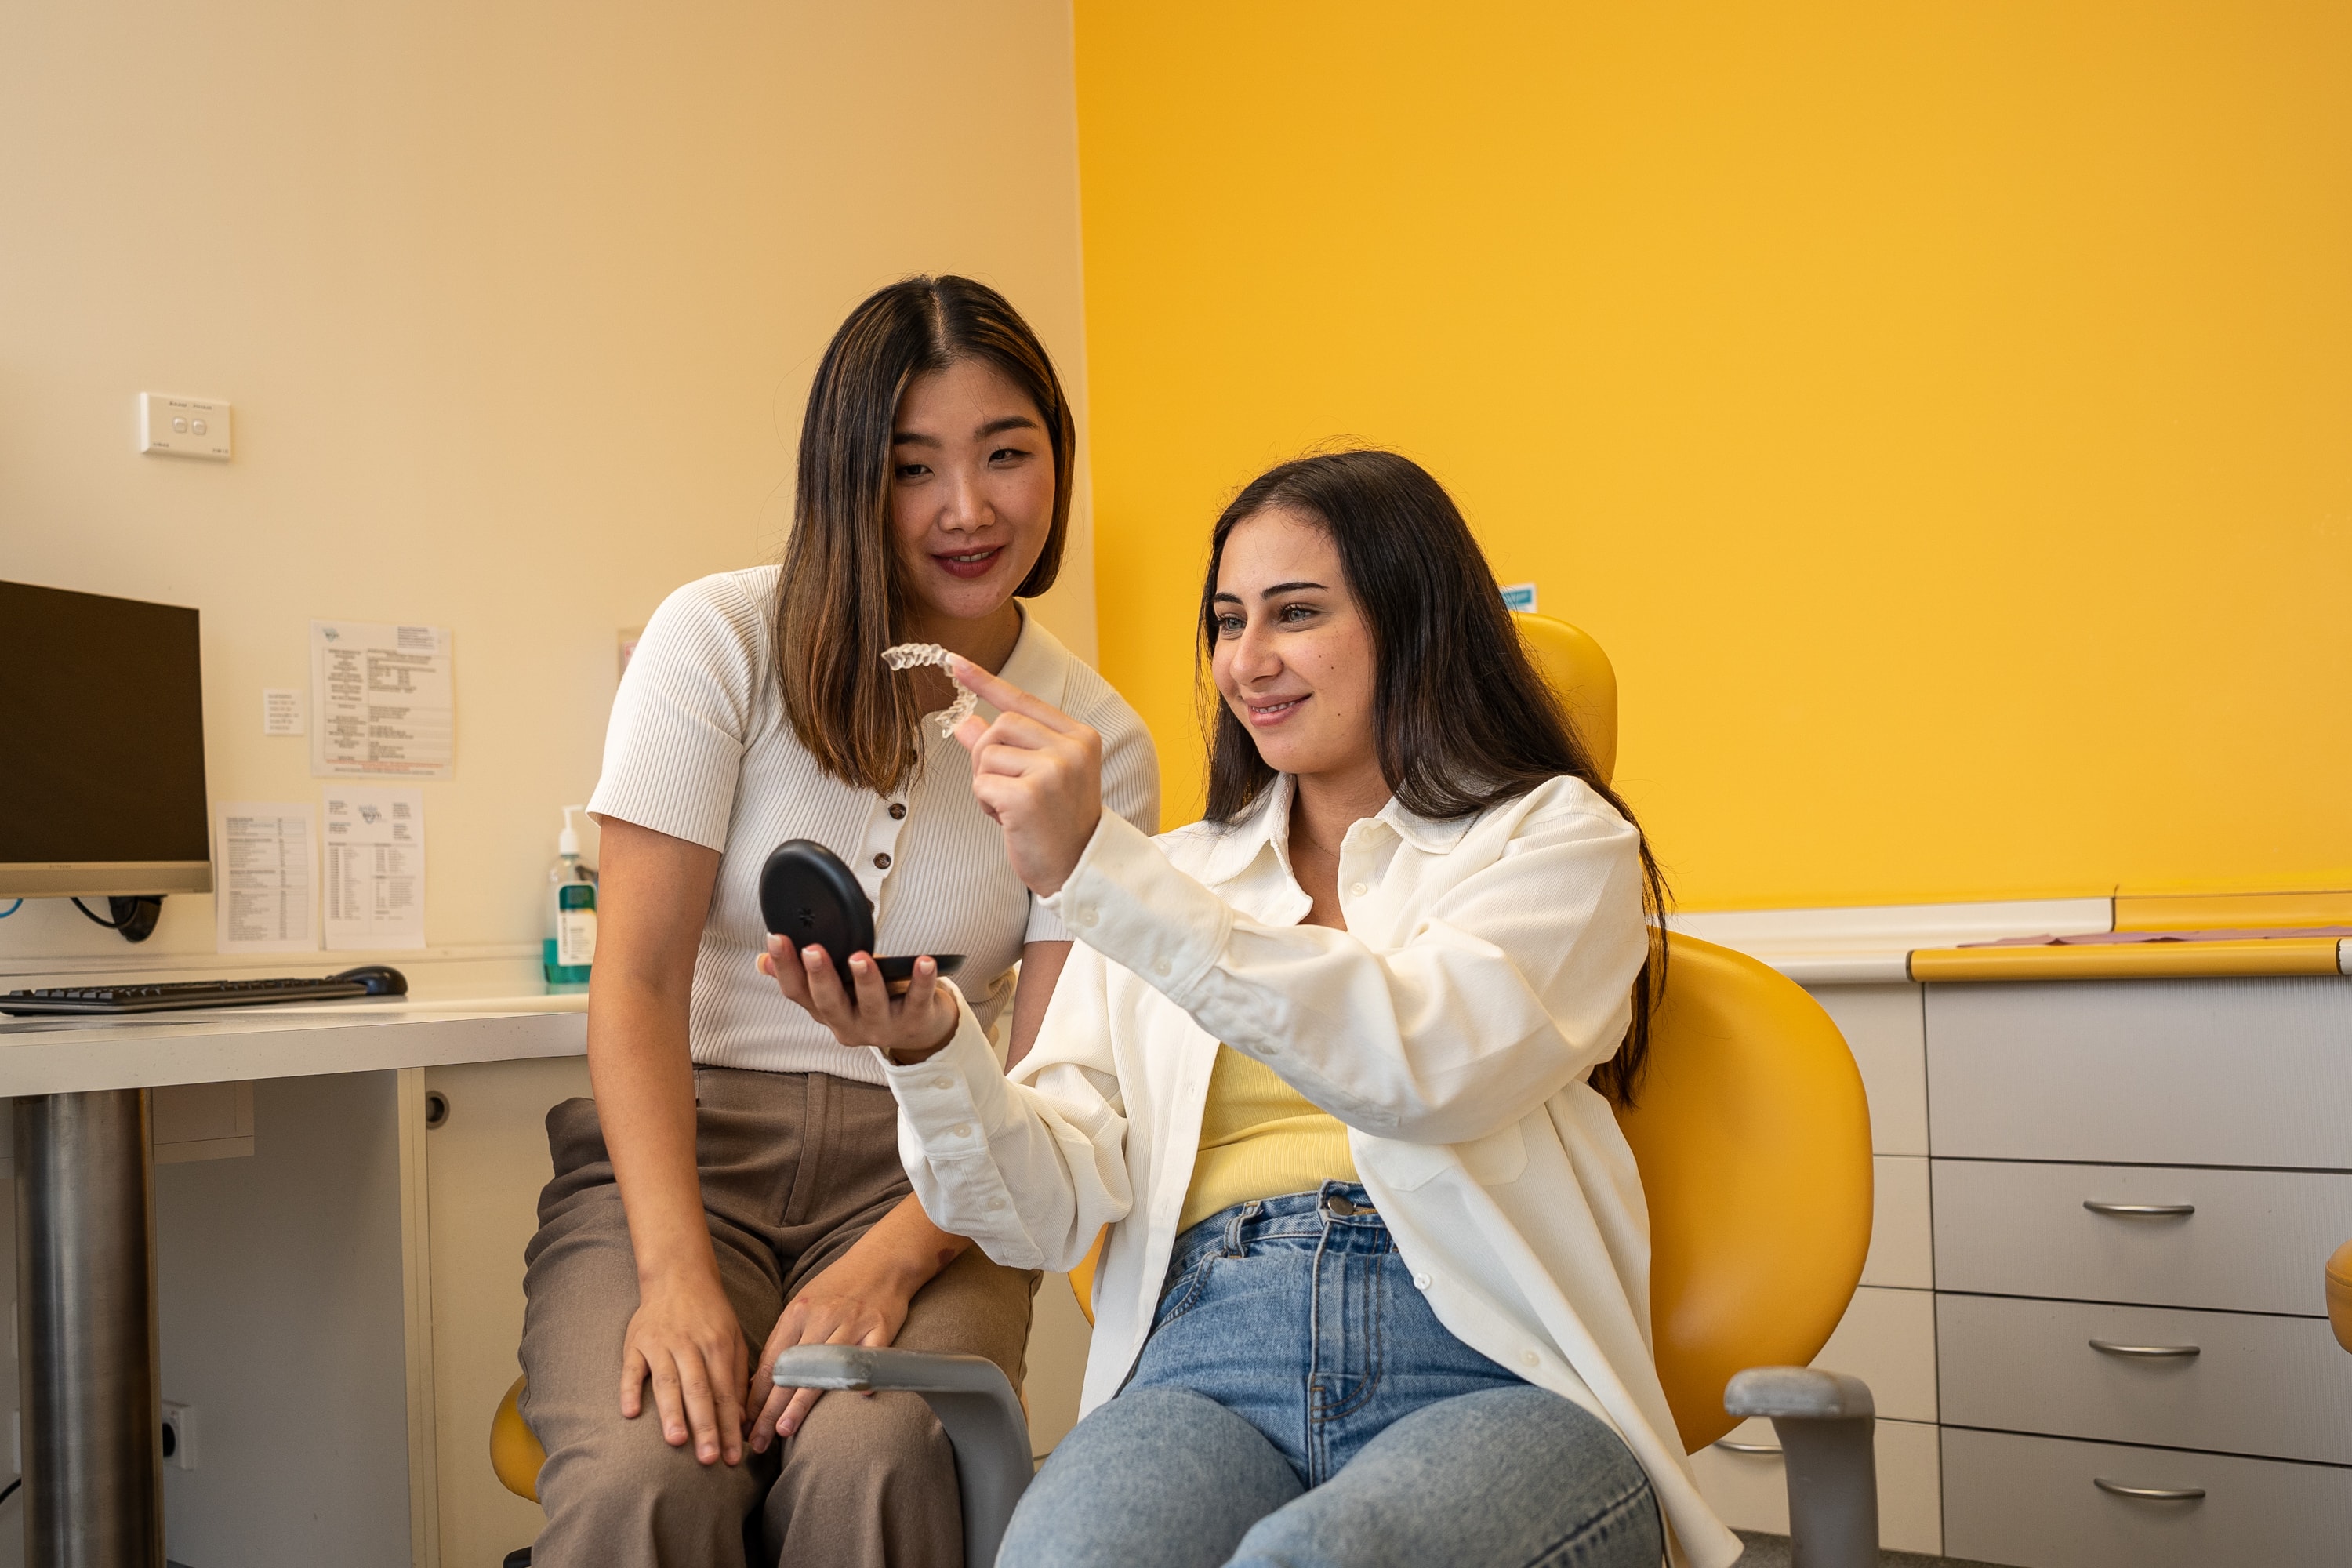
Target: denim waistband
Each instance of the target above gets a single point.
(1338, 1215)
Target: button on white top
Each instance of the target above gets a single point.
(1357, 888)
(996, 1203)
(1086, 915)
(1421, 1282)
(1160, 967)
(1531, 1358)
(963, 1130)
(943, 1081)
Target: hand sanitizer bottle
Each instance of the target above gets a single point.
(570, 945)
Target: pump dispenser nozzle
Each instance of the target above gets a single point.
(568, 841)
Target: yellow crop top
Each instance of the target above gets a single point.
(1260, 1137)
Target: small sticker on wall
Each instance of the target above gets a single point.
(281, 712)
(1520, 597)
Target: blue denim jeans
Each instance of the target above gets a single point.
(1298, 1405)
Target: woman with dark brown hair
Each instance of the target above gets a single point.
(1335, 1065)
(736, 1182)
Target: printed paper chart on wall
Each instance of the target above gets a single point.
(263, 891)
(382, 701)
(375, 868)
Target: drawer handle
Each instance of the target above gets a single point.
(2140, 1211)
(2146, 1353)
(1730, 1446)
(2153, 1494)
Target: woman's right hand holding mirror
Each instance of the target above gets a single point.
(905, 1028)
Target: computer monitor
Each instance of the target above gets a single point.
(102, 747)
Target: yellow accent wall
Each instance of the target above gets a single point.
(1942, 414)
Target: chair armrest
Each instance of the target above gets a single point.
(975, 1404)
(1825, 1421)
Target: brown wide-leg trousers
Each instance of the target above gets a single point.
(795, 1167)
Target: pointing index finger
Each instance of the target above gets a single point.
(1004, 697)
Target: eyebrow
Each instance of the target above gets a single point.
(993, 427)
(1221, 597)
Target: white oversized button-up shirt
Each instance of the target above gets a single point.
(1486, 968)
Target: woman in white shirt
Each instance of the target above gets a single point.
(1336, 1067)
(735, 1182)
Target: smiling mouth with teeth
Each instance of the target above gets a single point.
(969, 563)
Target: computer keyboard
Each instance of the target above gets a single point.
(368, 980)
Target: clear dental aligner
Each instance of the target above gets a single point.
(907, 655)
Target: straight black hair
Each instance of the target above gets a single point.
(1463, 719)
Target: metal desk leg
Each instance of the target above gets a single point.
(86, 1317)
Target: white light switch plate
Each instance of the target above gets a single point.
(184, 427)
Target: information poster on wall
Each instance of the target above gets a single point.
(375, 868)
(266, 897)
(382, 701)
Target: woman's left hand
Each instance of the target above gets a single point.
(905, 1028)
(852, 1302)
(1038, 774)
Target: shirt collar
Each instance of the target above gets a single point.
(1266, 827)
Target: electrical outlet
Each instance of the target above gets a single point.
(184, 427)
(180, 1434)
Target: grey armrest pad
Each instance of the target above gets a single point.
(856, 1366)
(1786, 1393)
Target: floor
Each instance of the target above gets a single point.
(1772, 1552)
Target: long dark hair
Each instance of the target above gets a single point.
(841, 599)
(1462, 720)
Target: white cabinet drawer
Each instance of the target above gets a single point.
(2161, 1072)
(2034, 1501)
(2254, 1244)
(2272, 1387)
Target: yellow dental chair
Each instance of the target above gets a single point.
(1753, 1139)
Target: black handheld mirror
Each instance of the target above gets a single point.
(807, 896)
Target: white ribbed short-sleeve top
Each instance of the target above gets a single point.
(699, 748)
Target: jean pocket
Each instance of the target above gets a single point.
(1183, 1292)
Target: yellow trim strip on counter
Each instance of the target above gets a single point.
(2130, 961)
(2230, 911)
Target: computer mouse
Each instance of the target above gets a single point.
(811, 897)
(380, 979)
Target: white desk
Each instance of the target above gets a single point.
(86, 1243)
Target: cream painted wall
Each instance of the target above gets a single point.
(517, 306)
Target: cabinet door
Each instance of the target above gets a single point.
(2156, 1072)
(2239, 1382)
(1746, 1481)
(484, 1165)
(2036, 1502)
(2252, 1241)
(1886, 1032)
